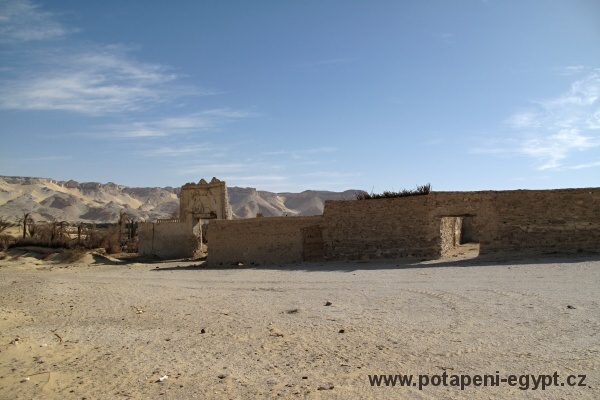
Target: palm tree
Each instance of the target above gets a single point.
(26, 220)
(80, 229)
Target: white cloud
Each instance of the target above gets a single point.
(552, 150)
(206, 169)
(300, 153)
(557, 127)
(202, 121)
(99, 81)
(21, 21)
(586, 165)
(254, 179)
(168, 151)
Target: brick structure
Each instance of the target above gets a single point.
(182, 237)
(518, 222)
(265, 240)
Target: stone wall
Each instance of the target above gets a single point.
(385, 228)
(506, 222)
(204, 200)
(450, 233)
(168, 240)
(263, 240)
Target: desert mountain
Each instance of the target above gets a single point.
(47, 199)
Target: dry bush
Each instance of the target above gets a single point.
(4, 225)
(55, 235)
(6, 241)
(112, 240)
(420, 190)
(42, 241)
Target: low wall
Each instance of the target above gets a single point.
(506, 222)
(167, 240)
(263, 240)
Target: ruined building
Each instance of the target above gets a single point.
(503, 223)
(185, 236)
(513, 222)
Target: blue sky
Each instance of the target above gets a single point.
(296, 95)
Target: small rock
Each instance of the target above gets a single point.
(202, 330)
(222, 376)
(25, 380)
(328, 303)
(293, 311)
(328, 386)
(571, 307)
(341, 331)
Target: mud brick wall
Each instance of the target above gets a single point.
(260, 240)
(450, 232)
(506, 222)
(553, 221)
(385, 228)
(167, 240)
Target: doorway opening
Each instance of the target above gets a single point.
(459, 236)
(312, 244)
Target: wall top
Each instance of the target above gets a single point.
(213, 182)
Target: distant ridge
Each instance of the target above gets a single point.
(48, 199)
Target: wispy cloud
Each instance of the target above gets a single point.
(170, 126)
(43, 159)
(169, 151)
(21, 20)
(205, 169)
(553, 129)
(330, 174)
(300, 153)
(552, 150)
(87, 79)
(254, 179)
(99, 81)
(585, 165)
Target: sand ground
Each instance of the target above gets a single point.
(98, 330)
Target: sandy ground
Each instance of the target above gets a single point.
(92, 330)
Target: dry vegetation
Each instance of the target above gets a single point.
(420, 190)
(72, 239)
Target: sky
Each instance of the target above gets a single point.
(297, 95)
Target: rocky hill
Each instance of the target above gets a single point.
(47, 199)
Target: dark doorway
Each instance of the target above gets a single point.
(458, 237)
(312, 244)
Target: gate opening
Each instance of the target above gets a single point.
(459, 238)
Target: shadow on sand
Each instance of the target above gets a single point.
(372, 265)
